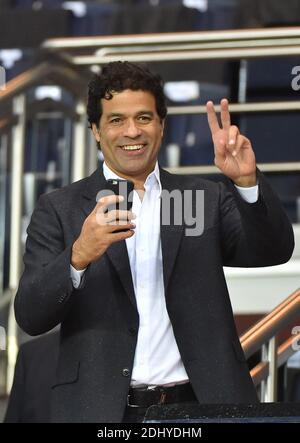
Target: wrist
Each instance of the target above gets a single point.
(78, 261)
(246, 182)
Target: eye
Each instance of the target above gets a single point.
(144, 118)
(115, 120)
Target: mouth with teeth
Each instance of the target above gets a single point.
(132, 148)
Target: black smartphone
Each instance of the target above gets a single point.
(121, 187)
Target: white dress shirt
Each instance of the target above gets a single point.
(157, 359)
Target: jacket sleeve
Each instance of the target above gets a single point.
(44, 294)
(254, 234)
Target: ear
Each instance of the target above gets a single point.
(96, 132)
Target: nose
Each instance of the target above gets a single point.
(132, 129)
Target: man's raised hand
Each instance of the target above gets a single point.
(234, 155)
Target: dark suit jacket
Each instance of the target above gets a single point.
(29, 400)
(99, 321)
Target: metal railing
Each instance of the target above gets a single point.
(15, 93)
(44, 73)
(257, 37)
(263, 336)
(264, 167)
(203, 45)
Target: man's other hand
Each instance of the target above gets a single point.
(234, 155)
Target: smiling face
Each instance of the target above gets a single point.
(130, 133)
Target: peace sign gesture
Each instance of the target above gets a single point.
(234, 155)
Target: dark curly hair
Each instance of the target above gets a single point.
(118, 76)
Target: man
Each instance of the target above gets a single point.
(144, 308)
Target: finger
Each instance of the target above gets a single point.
(240, 141)
(104, 202)
(212, 118)
(220, 152)
(118, 236)
(114, 228)
(233, 134)
(117, 214)
(114, 217)
(120, 222)
(225, 115)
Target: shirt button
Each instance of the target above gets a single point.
(126, 372)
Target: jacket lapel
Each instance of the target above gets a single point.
(171, 234)
(117, 252)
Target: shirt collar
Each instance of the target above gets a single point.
(152, 179)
